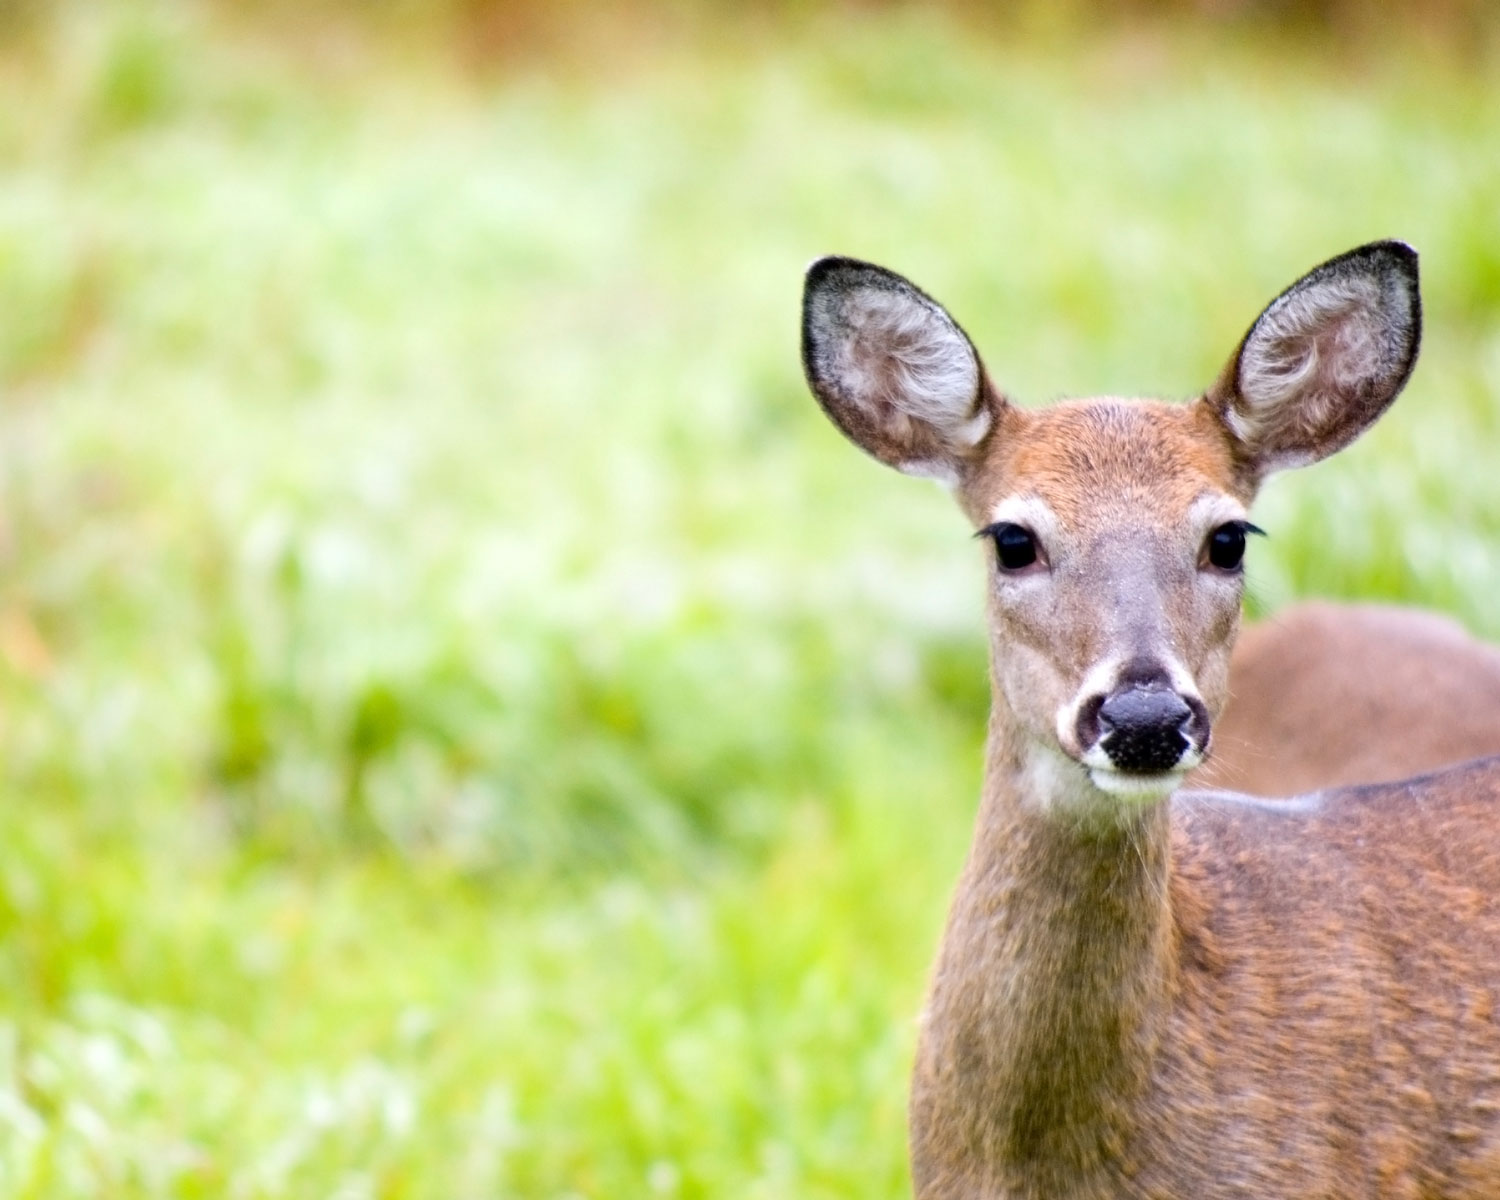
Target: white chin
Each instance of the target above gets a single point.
(1135, 786)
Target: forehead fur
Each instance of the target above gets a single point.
(1085, 456)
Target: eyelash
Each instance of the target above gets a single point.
(1024, 551)
(1233, 549)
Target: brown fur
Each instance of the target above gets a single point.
(1324, 694)
(1126, 453)
(1221, 1000)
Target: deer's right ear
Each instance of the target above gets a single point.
(892, 369)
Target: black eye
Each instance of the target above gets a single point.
(1226, 544)
(1014, 546)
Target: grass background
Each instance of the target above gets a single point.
(468, 727)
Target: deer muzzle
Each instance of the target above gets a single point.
(1145, 729)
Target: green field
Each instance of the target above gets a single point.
(469, 727)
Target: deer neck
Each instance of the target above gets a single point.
(1050, 996)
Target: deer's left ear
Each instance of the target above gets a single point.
(1324, 360)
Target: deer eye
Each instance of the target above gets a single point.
(1226, 544)
(1014, 546)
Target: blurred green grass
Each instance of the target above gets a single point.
(469, 727)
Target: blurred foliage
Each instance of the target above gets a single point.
(468, 726)
(490, 35)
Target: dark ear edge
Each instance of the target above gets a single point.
(1277, 432)
(934, 405)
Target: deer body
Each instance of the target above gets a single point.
(1327, 694)
(1145, 991)
(1223, 998)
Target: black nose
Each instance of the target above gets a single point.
(1145, 729)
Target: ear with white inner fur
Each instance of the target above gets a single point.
(892, 369)
(1324, 360)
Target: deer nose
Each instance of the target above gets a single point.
(1147, 728)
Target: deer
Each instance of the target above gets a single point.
(1324, 694)
(1143, 990)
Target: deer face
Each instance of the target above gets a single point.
(1116, 532)
(1115, 529)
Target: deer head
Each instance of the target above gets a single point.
(1117, 528)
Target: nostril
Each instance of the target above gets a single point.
(1196, 727)
(1087, 728)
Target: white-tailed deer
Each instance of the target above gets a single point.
(1322, 695)
(1144, 991)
